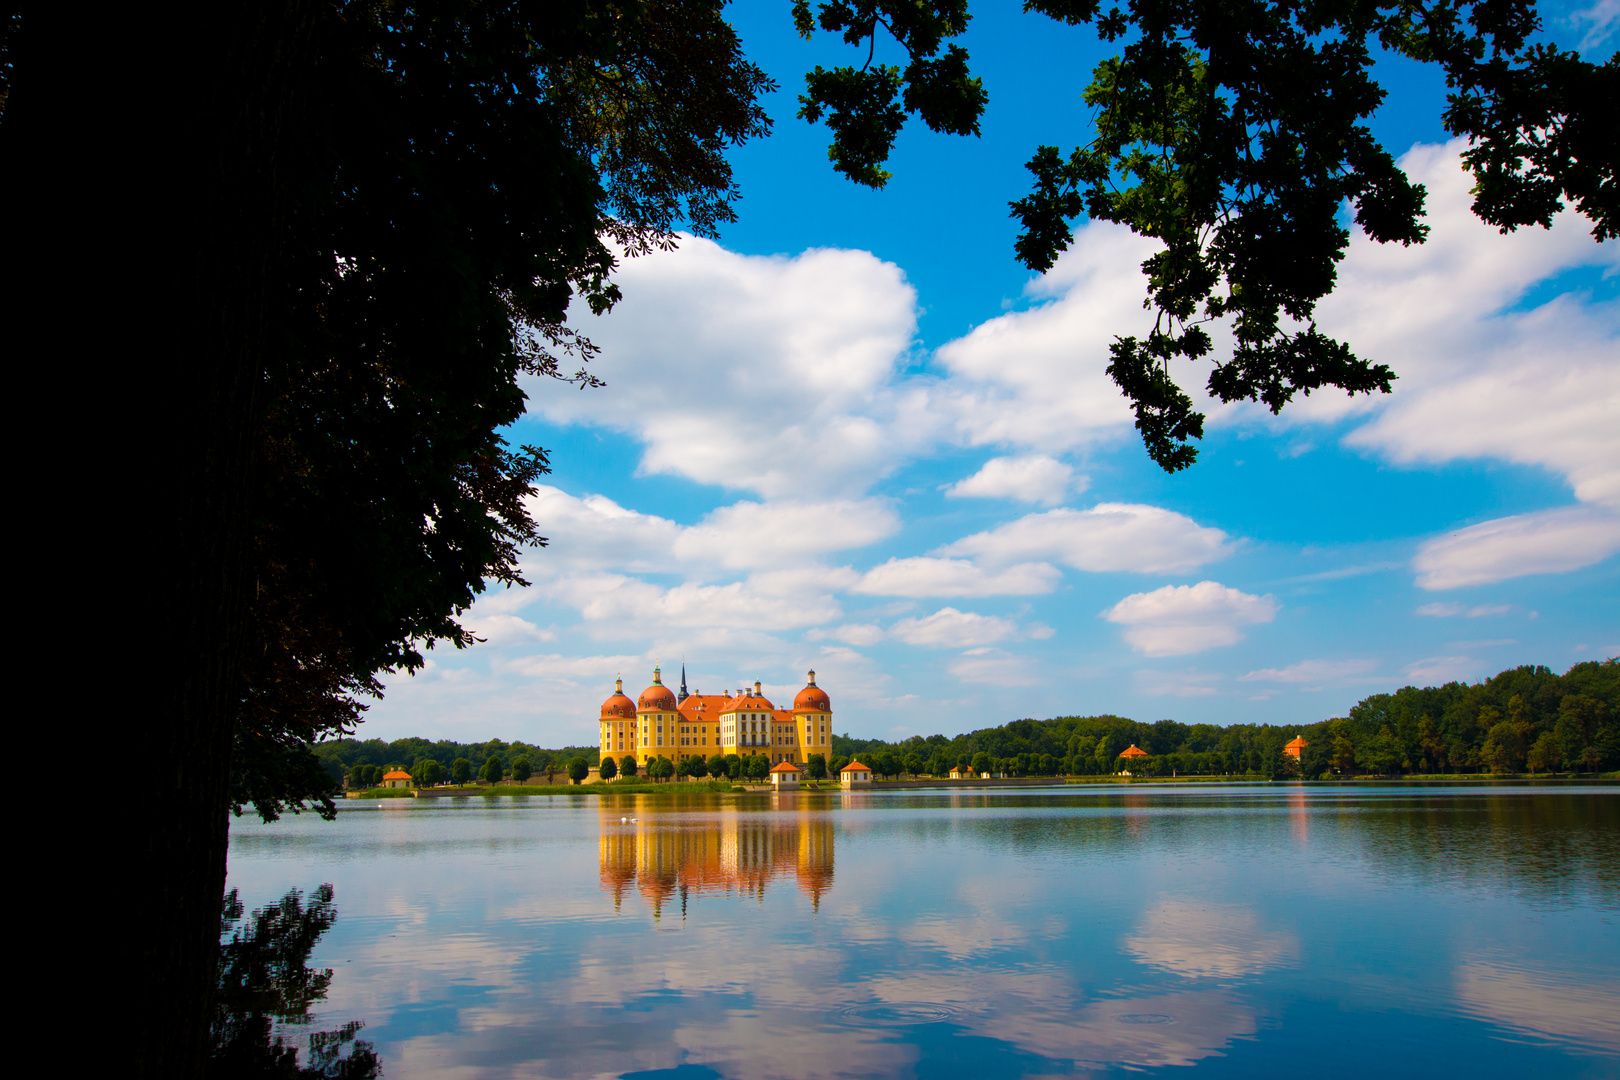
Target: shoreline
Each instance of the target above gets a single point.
(1060, 783)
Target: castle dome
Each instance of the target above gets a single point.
(657, 696)
(618, 707)
(812, 696)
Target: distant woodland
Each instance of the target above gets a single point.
(1524, 720)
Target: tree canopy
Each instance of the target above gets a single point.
(1234, 133)
(472, 169)
(1485, 727)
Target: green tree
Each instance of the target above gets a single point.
(1233, 134)
(697, 767)
(1344, 756)
(734, 766)
(460, 770)
(578, 769)
(1544, 754)
(981, 762)
(427, 773)
(1109, 747)
(627, 765)
(522, 769)
(717, 766)
(607, 770)
(682, 765)
(759, 766)
(817, 766)
(1503, 751)
(494, 768)
(1581, 718)
(914, 763)
(660, 768)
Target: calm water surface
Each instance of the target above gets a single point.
(1243, 931)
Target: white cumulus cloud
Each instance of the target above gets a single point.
(748, 534)
(1178, 620)
(769, 374)
(953, 629)
(595, 531)
(1038, 378)
(849, 634)
(927, 576)
(1033, 478)
(1107, 537)
(1546, 542)
(1315, 673)
(1442, 609)
(994, 667)
(1481, 376)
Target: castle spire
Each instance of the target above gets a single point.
(683, 695)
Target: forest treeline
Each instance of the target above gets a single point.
(368, 759)
(1526, 719)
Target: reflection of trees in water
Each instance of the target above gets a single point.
(1558, 843)
(264, 981)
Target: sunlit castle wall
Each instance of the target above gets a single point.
(812, 721)
(618, 724)
(661, 724)
(656, 720)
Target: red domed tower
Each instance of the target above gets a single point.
(812, 716)
(618, 723)
(656, 721)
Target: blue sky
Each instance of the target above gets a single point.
(855, 435)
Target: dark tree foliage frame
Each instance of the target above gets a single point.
(470, 171)
(294, 256)
(1232, 132)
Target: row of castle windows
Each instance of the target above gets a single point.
(698, 734)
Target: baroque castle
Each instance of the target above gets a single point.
(662, 723)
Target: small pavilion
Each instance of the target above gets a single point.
(396, 778)
(1133, 751)
(785, 774)
(855, 774)
(1296, 747)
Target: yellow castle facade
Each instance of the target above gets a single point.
(663, 723)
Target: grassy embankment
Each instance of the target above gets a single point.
(612, 787)
(1419, 778)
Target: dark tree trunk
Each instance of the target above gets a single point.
(147, 153)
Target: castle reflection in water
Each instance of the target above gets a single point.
(667, 851)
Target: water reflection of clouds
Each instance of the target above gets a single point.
(1038, 1010)
(1204, 940)
(945, 937)
(1520, 995)
(1149, 1031)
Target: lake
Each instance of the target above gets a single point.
(1242, 930)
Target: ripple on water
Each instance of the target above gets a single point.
(896, 1013)
(1144, 1018)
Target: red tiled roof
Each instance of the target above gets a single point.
(785, 766)
(1133, 751)
(396, 775)
(854, 765)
